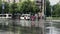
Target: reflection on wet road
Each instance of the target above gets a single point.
(9, 26)
(6, 27)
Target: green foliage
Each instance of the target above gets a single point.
(56, 10)
(56, 14)
(6, 7)
(48, 8)
(14, 8)
(22, 7)
(0, 6)
(28, 6)
(6, 10)
(9, 7)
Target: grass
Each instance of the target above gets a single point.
(53, 18)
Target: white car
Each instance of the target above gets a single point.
(22, 17)
(27, 16)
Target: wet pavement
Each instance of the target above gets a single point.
(9, 26)
(17, 29)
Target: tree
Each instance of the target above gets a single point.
(56, 13)
(48, 8)
(13, 8)
(6, 7)
(0, 6)
(56, 10)
(28, 7)
(22, 7)
(6, 10)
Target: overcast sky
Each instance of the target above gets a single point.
(52, 2)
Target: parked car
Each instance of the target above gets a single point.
(21, 17)
(25, 16)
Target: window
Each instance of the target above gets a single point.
(9, 15)
(4, 15)
(0, 15)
